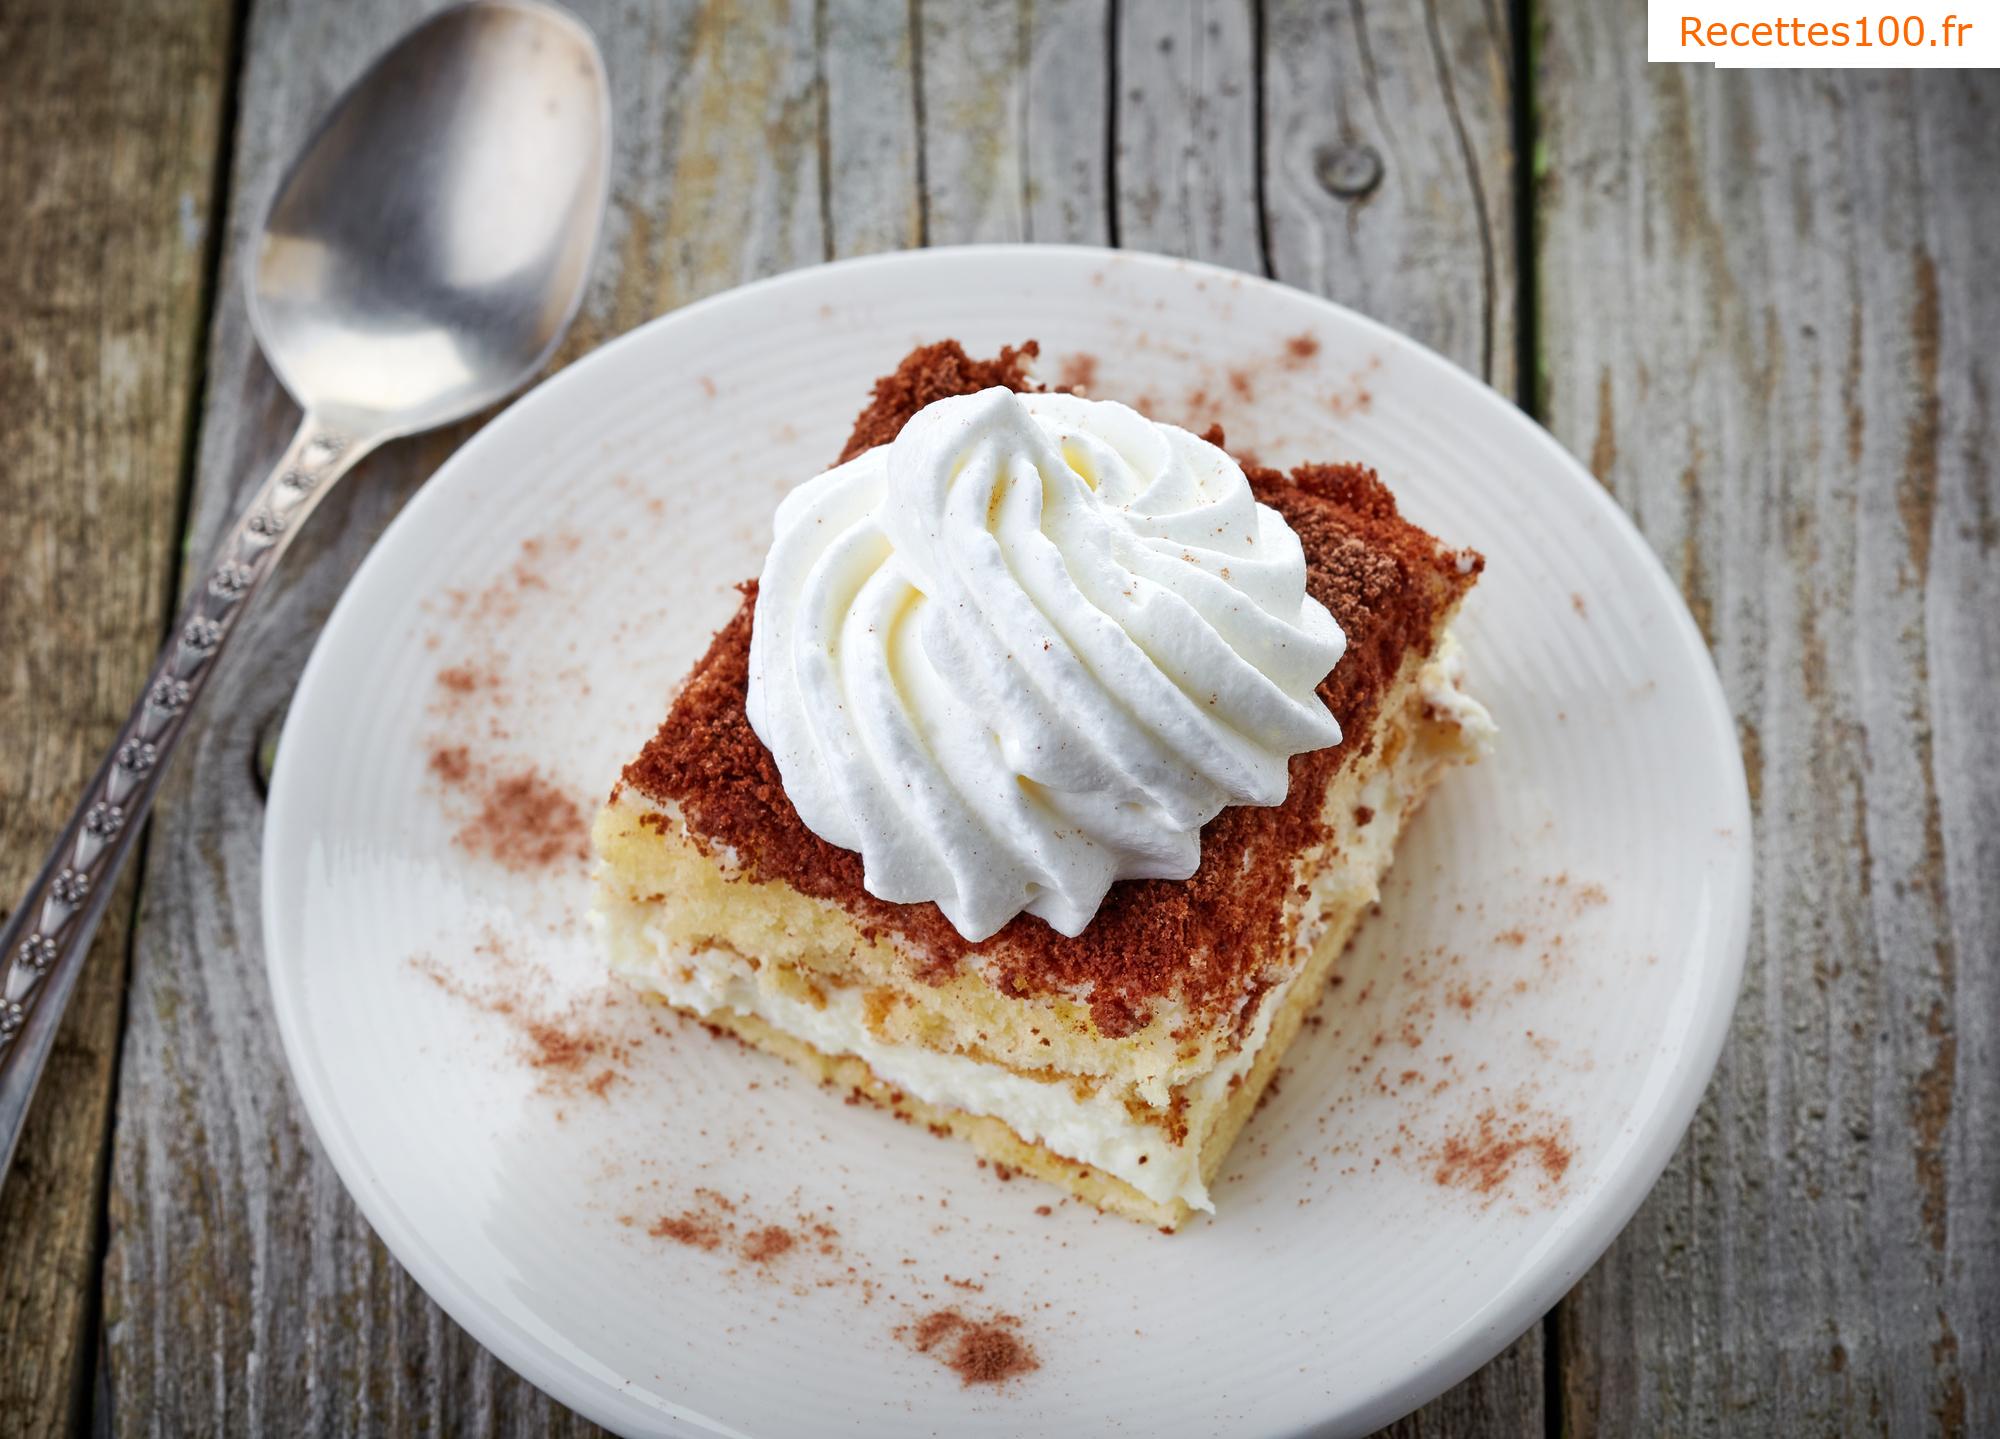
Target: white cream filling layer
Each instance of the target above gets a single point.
(1094, 1129)
(1441, 681)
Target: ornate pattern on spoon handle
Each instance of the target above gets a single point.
(48, 934)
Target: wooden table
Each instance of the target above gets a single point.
(1763, 307)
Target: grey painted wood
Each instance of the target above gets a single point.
(869, 145)
(1389, 171)
(108, 161)
(1188, 129)
(972, 142)
(1015, 101)
(1767, 319)
(1067, 121)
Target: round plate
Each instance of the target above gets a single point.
(592, 1188)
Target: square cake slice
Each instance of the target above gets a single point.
(1119, 1063)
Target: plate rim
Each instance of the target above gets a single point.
(1580, 1235)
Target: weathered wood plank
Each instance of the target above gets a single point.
(868, 148)
(1066, 124)
(110, 116)
(1506, 1398)
(973, 155)
(1389, 169)
(1766, 318)
(717, 180)
(243, 1292)
(1188, 129)
(1014, 116)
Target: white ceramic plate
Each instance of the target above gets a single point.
(1517, 1043)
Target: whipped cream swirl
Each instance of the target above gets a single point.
(1029, 648)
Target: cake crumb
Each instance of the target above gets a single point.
(933, 372)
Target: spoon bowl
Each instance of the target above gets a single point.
(429, 247)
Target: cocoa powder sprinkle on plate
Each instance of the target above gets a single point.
(526, 823)
(763, 1245)
(987, 1351)
(1484, 1156)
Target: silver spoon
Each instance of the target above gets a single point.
(420, 261)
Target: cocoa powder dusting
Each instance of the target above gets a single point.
(507, 808)
(1077, 373)
(1477, 1126)
(1358, 396)
(697, 1231)
(556, 1048)
(988, 1351)
(765, 1244)
(804, 1254)
(571, 1047)
(525, 823)
(1485, 1155)
(713, 1221)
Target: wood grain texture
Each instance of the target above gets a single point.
(1014, 100)
(972, 140)
(107, 156)
(1066, 124)
(868, 145)
(1188, 132)
(1390, 171)
(1767, 320)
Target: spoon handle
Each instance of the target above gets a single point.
(45, 940)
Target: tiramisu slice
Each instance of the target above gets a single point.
(1034, 789)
